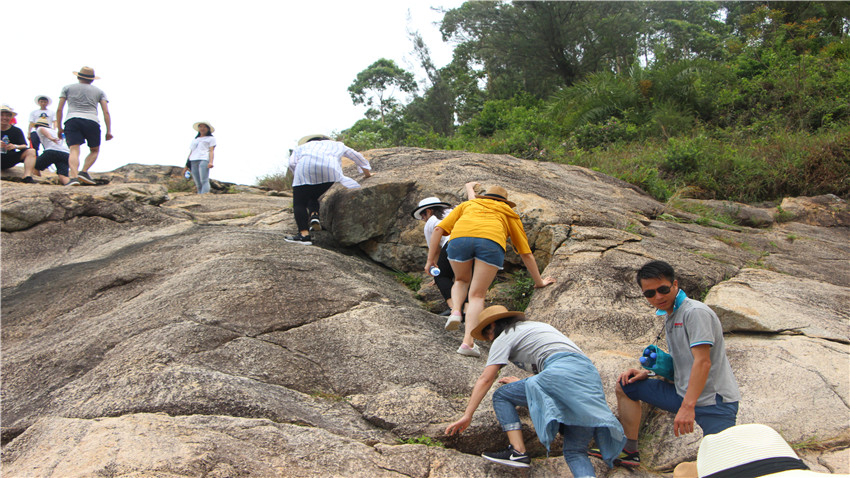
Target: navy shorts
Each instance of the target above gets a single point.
(464, 249)
(712, 418)
(11, 158)
(50, 156)
(80, 130)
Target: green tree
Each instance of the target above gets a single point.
(378, 82)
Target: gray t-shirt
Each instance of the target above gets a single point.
(528, 344)
(692, 324)
(82, 99)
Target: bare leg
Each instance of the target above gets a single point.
(463, 275)
(91, 158)
(629, 414)
(73, 160)
(482, 277)
(29, 161)
(63, 179)
(515, 437)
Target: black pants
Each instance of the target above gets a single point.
(35, 141)
(446, 279)
(305, 200)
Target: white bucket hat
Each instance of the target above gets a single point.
(195, 126)
(45, 97)
(750, 450)
(425, 204)
(311, 137)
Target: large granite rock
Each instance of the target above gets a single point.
(155, 334)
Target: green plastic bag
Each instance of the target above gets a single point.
(663, 366)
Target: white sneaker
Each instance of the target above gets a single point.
(469, 352)
(453, 323)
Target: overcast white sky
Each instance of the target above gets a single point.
(263, 72)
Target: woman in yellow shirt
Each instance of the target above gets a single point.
(479, 229)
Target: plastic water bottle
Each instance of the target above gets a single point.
(648, 358)
(5, 142)
(434, 271)
(188, 174)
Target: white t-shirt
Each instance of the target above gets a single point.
(430, 224)
(51, 145)
(35, 115)
(200, 149)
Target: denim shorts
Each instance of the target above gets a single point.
(711, 418)
(81, 130)
(464, 249)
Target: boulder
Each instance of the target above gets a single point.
(740, 213)
(826, 211)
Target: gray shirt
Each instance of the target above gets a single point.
(82, 99)
(528, 344)
(692, 324)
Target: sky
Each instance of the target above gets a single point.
(263, 73)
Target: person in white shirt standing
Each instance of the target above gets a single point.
(83, 125)
(316, 164)
(201, 155)
(43, 101)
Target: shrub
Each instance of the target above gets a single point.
(276, 181)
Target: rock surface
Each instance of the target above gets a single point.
(148, 333)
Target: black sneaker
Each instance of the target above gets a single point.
(509, 457)
(85, 178)
(299, 239)
(73, 182)
(625, 459)
(29, 180)
(315, 223)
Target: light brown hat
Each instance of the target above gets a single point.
(490, 315)
(209, 125)
(498, 193)
(8, 109)
(311, 137)
(86, 73)
(43, 121)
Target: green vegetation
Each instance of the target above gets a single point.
(744, 101)
(421, 440)
(276, 181)
(411, 281)
(520, 291)
(180, 185)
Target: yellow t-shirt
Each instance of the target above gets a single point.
(487, 219)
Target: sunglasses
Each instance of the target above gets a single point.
(650, 293)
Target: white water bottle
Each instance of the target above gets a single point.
(434, 271)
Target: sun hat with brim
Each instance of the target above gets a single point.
(195, 126)
(86, 73)
(42, 122)
(8, 109)
(45, 97)
(425, 204)
(749, 450)
(498, 193)
(310, 137)
(490, 315)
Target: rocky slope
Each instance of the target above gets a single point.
(154, 334)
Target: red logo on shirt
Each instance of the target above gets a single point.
(678, 324)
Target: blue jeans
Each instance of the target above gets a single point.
(201, 175)
(465, 249)
(711, 418)
(576, 439)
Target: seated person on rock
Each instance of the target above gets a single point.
(704, 388)
(565, 394)
(56, 152)
(13, 147)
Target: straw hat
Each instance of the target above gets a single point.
(8, 109)
(498, 193)
(45, 97)
(425, 204)
(43, 121)
(750, 450)
(311, 137)
(86, 73)
(490, 315)
(195, 126)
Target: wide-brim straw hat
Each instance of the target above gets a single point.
(750, 450)
(209, 125)
(49, 101)
(498, 193)
(42, 122)
(425, 204)
(311, 137)
(86, 73)
(490, 315)
(8, 109)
